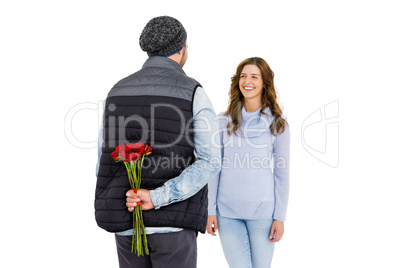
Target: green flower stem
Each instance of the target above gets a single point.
(139, 240)
(144, 235)
(138, 233)
(133, 237)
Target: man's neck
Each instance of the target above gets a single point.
(175, 57)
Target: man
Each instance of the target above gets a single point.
(160, 106)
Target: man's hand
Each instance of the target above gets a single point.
(278, 229)
(142, 197)
(212, 225)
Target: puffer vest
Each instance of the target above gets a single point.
(152, 106)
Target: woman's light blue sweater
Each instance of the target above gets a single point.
(254, 179)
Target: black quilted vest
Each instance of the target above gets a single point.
(152, 106)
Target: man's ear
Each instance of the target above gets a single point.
(182, 50)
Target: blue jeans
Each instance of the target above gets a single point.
(245, 243)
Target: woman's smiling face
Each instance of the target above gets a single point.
(250, 82)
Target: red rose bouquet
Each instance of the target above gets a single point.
(132, 155)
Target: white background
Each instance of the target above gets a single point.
(56, 55)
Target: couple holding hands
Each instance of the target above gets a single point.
(234, 170)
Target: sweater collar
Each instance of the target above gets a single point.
(162, 62)
(254, 124)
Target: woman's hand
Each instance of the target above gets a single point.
(277, 229)
(212, 225)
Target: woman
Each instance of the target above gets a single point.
(248, 198)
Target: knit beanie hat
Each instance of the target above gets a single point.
(163, 36)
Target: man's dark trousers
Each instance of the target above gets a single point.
(166, 250)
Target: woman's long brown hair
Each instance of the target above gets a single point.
(268, 97)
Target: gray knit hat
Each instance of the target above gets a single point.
(163, 36)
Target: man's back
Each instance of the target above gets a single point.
(160, 106)
(152, 106)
